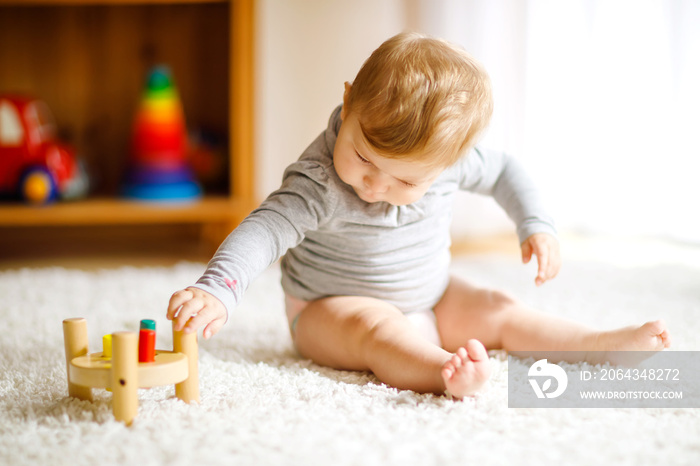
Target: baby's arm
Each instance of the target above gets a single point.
(255, 244)
(499, 175)
(263, 237)
(193, 308)
(546, 249)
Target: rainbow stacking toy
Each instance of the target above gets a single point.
(158, 170)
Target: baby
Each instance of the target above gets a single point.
(361, 222)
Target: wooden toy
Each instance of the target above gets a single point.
(122, 373)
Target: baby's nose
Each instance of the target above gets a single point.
(376, 183)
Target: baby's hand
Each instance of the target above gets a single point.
(546, 248)
(197, 308)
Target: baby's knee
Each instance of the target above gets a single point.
(375, 326)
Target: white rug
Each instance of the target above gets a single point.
(262, 404)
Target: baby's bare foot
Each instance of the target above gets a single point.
(650, 337)
(467, 371)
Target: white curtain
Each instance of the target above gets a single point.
(599, 99)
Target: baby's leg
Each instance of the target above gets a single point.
(498, 321)
(356, 333)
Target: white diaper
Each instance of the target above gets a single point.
(426, 323)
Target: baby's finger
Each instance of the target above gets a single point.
(176, 300)
(187, 310)
(214, 327)
(206, 315)
(542, 266)
(526, 251)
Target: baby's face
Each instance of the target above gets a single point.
(373, 177)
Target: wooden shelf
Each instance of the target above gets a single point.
(87, 60)
(106, 211)
(103, 2)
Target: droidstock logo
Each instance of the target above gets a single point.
(544, 371)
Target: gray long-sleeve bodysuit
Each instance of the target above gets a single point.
(334, 243)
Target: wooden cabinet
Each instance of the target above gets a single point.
(88, 60)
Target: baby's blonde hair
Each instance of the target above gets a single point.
(418, 97)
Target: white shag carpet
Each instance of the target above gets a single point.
(264, 405)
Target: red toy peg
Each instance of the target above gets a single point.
(147, 341)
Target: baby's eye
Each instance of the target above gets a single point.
(407, 184)
(362, 159)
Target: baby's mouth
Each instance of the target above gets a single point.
(366, 196)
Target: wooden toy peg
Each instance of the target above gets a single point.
(186, 343)
(75, 342)
(124, 376)
(107, 346)
(147, 341)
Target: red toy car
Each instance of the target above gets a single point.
(35, 166)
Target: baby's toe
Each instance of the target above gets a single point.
(476, 350)
(665, 339)
(448, 371)
(462, 353)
